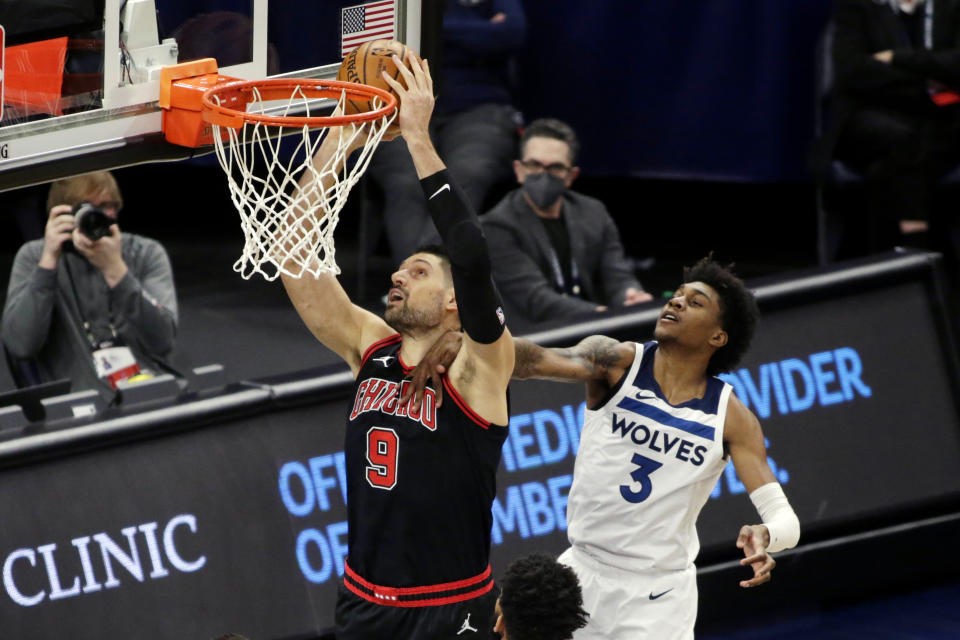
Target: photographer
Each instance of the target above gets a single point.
(88, 302)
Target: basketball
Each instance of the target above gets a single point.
(365, 64)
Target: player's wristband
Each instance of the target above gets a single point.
(777, 515)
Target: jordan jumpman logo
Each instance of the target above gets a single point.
(466, 626)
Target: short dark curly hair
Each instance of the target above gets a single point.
(541, 599)
(738, 311)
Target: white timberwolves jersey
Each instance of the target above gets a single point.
(644, 470)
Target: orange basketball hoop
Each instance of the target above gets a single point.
(220, 102)
(287, 222)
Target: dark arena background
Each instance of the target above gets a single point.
(193, 513)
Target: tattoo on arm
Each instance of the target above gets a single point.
(591, 359)
(527, 356)
(601, 352)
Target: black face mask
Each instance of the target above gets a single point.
(544, 189)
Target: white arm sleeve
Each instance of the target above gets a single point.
(777, 516)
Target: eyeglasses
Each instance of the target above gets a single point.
(557, 169)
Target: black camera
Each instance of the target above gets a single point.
(91, 220)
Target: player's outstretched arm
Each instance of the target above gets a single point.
(594, 358)
(598, 361)
(326, 310)
(323, 305)
(481, 371)
(781, 527)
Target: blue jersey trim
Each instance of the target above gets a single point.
(664, 418)
(709, 403)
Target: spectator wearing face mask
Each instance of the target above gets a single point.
(556, 253)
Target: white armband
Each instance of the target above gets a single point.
(777, 516)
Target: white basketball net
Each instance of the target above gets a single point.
(288, 228)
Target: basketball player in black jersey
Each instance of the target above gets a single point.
(419, 483)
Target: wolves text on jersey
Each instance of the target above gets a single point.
(659, 441)
(376, 394)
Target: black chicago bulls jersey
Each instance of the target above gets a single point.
(419, 486)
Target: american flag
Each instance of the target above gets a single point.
(365, 22)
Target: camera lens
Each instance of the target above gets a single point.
(92, 221)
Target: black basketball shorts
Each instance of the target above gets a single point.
(368, 612)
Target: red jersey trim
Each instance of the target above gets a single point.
(470, 413)
(409, 591)
(389, 596)
(406, 368)
(377, 345)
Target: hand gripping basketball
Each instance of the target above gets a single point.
(416, 98)
(368, 63)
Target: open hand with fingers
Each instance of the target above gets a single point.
(106, 254)
(434, 364)
(59, 229)
(753, 539)
(416, 97)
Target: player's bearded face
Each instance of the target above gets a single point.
(417, 313)
(415, 304)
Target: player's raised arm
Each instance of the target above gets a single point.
(781, 527)
(484, 364)
(323, 305)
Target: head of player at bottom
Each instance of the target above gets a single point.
(540, 599)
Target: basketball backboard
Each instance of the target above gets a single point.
(81, 77)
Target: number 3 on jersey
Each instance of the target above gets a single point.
(640, 475)
(383, 447)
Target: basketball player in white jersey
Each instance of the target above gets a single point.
(658, 431)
